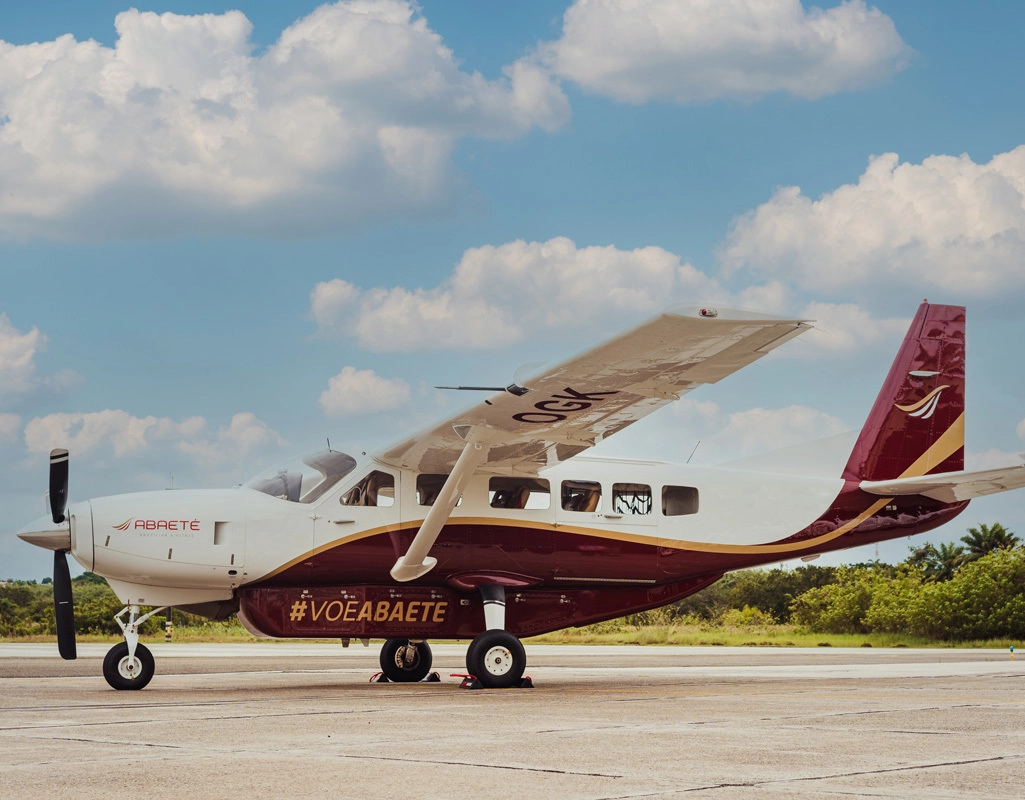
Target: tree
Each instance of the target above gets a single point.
(987, 538)
(938, 563)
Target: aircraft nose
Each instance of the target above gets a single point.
(45, 533)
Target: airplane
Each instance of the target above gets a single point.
(491, 525)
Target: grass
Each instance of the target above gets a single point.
(711, 635)
(614, 632)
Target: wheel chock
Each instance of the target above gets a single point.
(469, 681)
(432, 677)
(526, 683)
(379, 677)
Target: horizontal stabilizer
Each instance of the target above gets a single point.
(952, 487)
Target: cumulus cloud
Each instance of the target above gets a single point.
(10, 424)
(17, 354)
(497, 294)
(724, 436)
(844, 328)
(759, 430)
(991, 459)
(125, 435)
(362, 391)
(505, 293)
(947, 223)
(693, 50)
(18, 373)
(350, 115)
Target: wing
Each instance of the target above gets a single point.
(952, 487)
(586, 399)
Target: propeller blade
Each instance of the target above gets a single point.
(58, 484)
(63, 605)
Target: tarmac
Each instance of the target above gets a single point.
(302, 720)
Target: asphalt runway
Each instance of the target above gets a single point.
(283, 720)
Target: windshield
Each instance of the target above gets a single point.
(304, 480)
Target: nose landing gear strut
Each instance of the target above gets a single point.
(129, 665)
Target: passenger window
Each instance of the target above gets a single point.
(527, 493)
(679, 500)
(631, 498)
(428, 487)
(582, 496)
(376, 489)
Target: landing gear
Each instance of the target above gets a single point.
(128, 672)
(496, 657)
(129, 665)
(405, 660)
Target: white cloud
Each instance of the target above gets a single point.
(1021, 429)
(992, 459)
(18, 373)
(500, 294)
(350, 115)
(245, 435)
(672, 434)
(17, 354)
(125, 435)
(10, 425)
(946, 223)
(759, 430)
(844, 328)
(362, 391)
(693, 50)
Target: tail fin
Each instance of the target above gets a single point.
(917, 423)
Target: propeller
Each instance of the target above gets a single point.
(64, 606)
(63, 600)
(58, 484)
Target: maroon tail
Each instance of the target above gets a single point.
(917, 423)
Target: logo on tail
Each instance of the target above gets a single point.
(925, 407)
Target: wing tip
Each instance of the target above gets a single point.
(712, 311)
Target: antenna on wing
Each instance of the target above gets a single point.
(512, 388)
(692, 452)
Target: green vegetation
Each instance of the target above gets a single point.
(943, 595)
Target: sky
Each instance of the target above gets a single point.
(228, 234)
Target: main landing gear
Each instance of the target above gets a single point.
(129, 665)
(496, 657)
(405, 660)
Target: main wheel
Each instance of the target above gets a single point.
(123, 672)
(497, 659)
(405, 662)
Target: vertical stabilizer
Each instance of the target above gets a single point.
(917, 423)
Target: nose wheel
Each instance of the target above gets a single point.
(124, 671)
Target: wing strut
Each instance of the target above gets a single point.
(416, 562)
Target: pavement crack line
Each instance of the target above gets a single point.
(483, 766)
(191, 719)
(887, 770)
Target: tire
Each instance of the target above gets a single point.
(397, 669)
(497, 659)
(122, 675)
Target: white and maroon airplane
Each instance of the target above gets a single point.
(491, 525)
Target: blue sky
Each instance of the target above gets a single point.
(224, 238)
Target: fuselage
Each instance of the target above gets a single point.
(603, 536)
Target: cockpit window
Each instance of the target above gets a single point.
(307, 479)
